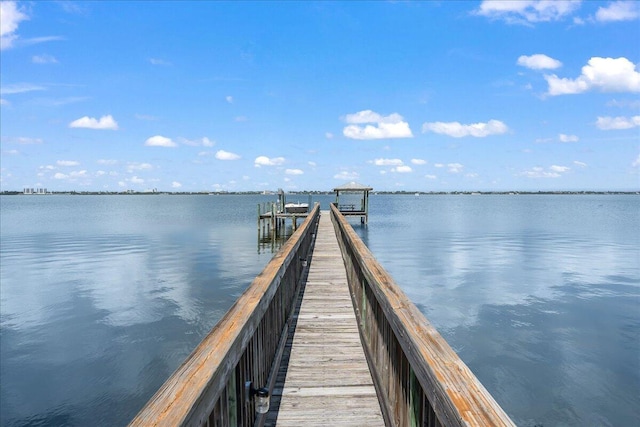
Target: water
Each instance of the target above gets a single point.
(102, 297)
(539, 295)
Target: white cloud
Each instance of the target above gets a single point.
(107, 162)
(44, 59)
(135, 180)
(4, 102)
(176, 184)
(455, 167)
(636, 162)
(293, 171)
(568, 138)
(328, 135)
(204, 142)
(72, 175)
(458, 130)
(23, 140)
(67, 163)
(36, 40)
(312, 164)
(226, 155)
(100, 173)
(266, 161)
(618, 11)
(542, 141)
(160, 141)
(57, 102)
(158, 61)
(625, 103)
(418, 161)
(616, 123)
(346, 176)
(147, 117)
(139, 167)
(402, 169)
(604, 74)
(383, 127)
(229, 99)
(10, 18)
(431, 176)
(105, 122)
(527, 11)
(554, 171)
(387, 162)
(19, 87)
(538, 172)
(580, 164)
(539, 62)
(438, 165)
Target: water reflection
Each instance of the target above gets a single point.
(540, 296)
(271, 242)
(102, 298)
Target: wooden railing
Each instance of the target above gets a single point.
(208, 389)
(420, 380)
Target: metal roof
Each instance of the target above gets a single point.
(353, 186)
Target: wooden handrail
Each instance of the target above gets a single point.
(208, 388)
(420, 380)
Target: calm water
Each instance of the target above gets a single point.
(102, 297)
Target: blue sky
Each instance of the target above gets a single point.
(237, 96)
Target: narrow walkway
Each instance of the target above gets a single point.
(326, 381)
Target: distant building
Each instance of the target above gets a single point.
(34, 191)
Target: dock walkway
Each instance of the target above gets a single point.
(295, 332)
(326, 380)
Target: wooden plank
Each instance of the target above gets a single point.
(326, 380)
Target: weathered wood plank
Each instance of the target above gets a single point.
(327, 379)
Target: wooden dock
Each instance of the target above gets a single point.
(326, 379)
(326, 331)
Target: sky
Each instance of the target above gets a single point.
(253, 96)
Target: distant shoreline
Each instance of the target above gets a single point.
(261, 193)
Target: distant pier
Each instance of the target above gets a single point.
(273, 216)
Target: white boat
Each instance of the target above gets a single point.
(296, 208)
